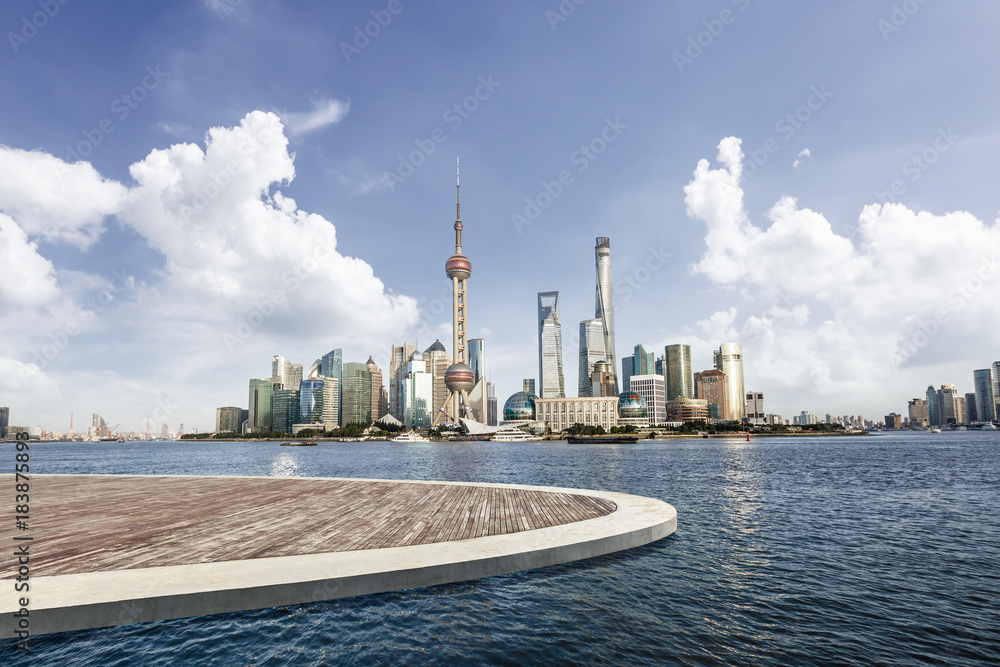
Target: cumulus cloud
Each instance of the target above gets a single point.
(324, 113)
(53, 200)
(837, 311)
(26, 278)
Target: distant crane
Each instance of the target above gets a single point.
(180, 431)
(148, 437)
(71, 424)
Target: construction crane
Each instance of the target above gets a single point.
(148, 437)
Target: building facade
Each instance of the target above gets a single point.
(711, 387)
(259, 412)
(651, 388)
(227, 420)
(477, 357)
(399, 357)
(985, 400)
(729, 359)
(550, 361)
(561, 413)
(4, 422)
(591, 352)
(917, 412)
(357, 394)
(604, 303)
(677, 372)
(285, 409)
(687, 410)
(437, 361)
(379, 406)
(418, 394)
(755, 408)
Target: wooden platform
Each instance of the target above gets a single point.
(91, 523)
(111, 550)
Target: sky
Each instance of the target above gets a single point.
(190, 187)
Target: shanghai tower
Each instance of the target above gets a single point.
(605, 302)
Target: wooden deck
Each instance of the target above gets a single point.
(93, 523)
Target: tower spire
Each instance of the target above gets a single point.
(458, 209)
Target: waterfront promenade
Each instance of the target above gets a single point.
(119, 549)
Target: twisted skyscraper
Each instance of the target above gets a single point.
(604, 309)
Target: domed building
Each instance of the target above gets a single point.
(520, 407)
(632, 410)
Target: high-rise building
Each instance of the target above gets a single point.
(284, 373)
(477, 357)
(332, 366)
(286, 409)
(893, 421)
(399, 357)
(677, 372)
(917, 409)
(259, 413)
(755, 408)
(628, 366)
(310, 402)
(602, 380)
(933, 406)
(227, 420)
(418, 393)
(591, 351)
(996, 386)
(437, 361)
(357, 394)
(985, 399)
(550, 362)
(378, 406)
(4, 422)
(643, 363)
(729, 359)
(491, 404)
(714, 390)
(948, 404)
(604, 307)
(971, 411)
(650, 387)
(528, 385)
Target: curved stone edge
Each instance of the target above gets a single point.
(122, 597)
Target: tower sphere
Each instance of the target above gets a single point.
(459, 377)
(458, 266)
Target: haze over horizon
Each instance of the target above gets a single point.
(817, 183)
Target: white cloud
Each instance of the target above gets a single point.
(800, 158)
(841, 312)
(53, 200)
(324, 112)
(26, 278)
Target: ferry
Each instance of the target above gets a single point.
(410, 436)
(988, 426)
(514, 434)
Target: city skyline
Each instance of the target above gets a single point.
(178, 204)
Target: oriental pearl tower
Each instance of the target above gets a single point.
(459, 378)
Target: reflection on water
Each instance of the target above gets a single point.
(284, 464)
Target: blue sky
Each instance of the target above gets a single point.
(127, 271)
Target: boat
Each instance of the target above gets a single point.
(514, 434)
(988, 426)
(934, 430)
(604, 439)
(303, 443)
(410, 436)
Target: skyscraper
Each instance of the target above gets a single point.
(332, 366)
(259, 416)
(604, 308)
(477, 357)
(982, 381)
(933, 406)
(950, 412)
(729, 360)
(285, 409)
(971, 409)
(591, 351)
(643, 363)
(550, 362)
(357, 394)
(996, 387)
(418, 393)
(4, 422)
(628, 366)
(227, 420)
(528, 385)
(437, 361)
(377, 407)
(677, 372)
(399, 358)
